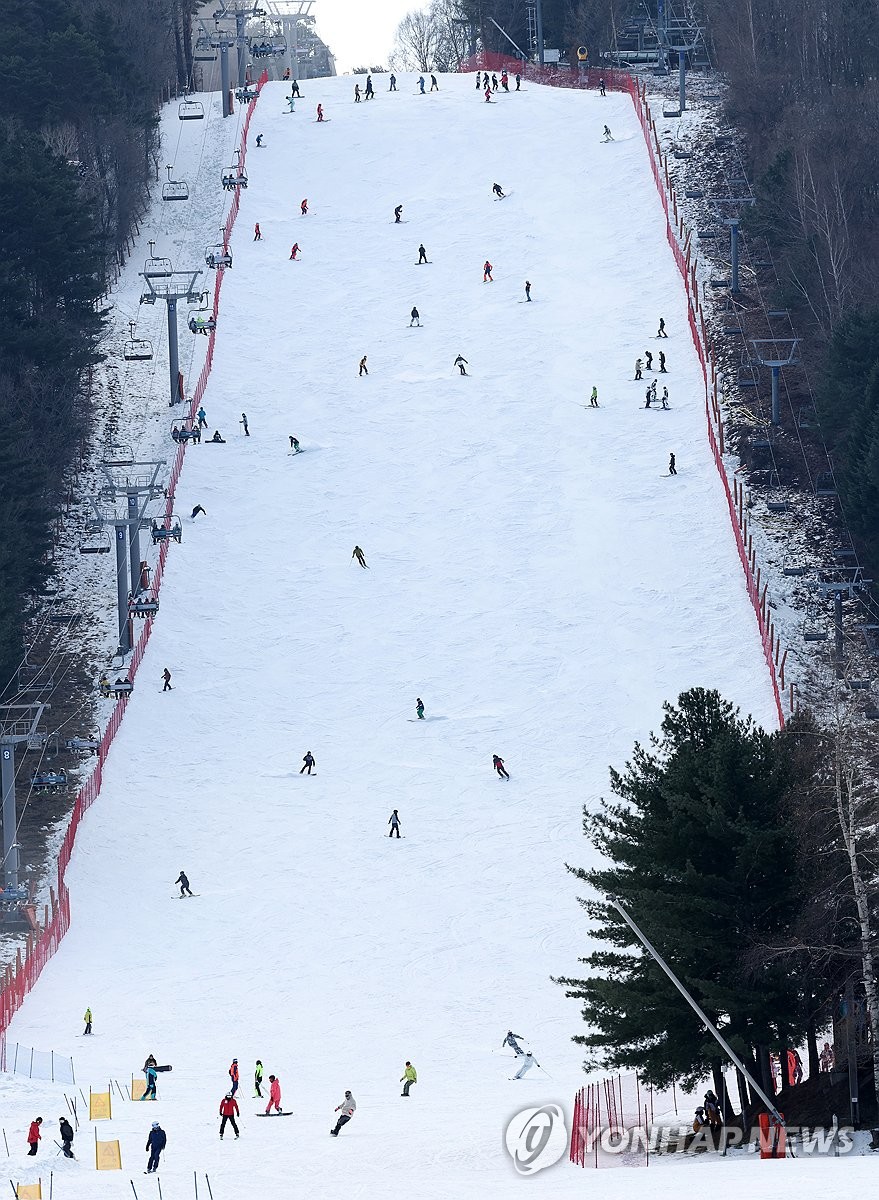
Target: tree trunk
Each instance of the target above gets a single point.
(744, 1101)
(812, 1044)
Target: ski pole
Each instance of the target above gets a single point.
(546, 1073)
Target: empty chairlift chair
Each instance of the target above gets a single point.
(174, 189)
(136, 349)
(191, 110)
(157, 268)
(95, 542)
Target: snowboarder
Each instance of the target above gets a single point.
(419, 708)
(653, 390)
(528, 290)
(202, 417)
(648, 359)
(356, 93)
(184, 884)
(461, 362)
(434, 86)
(608, 136)
(478, 80)
(348, 1107)
(672, 469)
(363, 369)
(660, 333)
(393, 86)
(257, 236)
(198, 509)
(228, 1112)
(370, 92)
(307, 763)
(649, 398)
(65, 1129)
(488, 95)
(360, 556)
(528, 1062)
(87, 1017)
(665, 397)
(498, 764)
(320, 112)
(243, 422)
(216, 438)
(486, 272)
(233, 1075)
(409, 1074)
(294, 91)
(166, 676)
(274, 1095)
(303, 208)
(593, 399)
(156, 1142)
(601, 90)
(414, 318)
(422, 256)
(398, 214)
(294, 250)
(259, 141)
(498, 191)
(421, 83)
(662, 370)
(494, 83)
(291, 105)
(510, 1040)
(505, 81)
(294, 445)
(518, 81)
(638, 365)
(257, 1080)
(33, 1136)
(151, 1076)
(394, 823)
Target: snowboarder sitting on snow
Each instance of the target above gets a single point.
(498, 764)
(461, 363)
(510, 1040)
(498, 191)
(348, 1107)
(184, 884)
(307, 762)
(217, 438)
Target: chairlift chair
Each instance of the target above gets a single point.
(191, 110)
(201, 319)
(184, 431)
(234, 177)
(143, 606)
(170, 529)
(792, 565)
(825, 484)
(118, 456)
(174, 189)
(79, 745)
(245, 95)
(813, 628)
(136, 349)
(157, 268)
(45, 782)
(95, 543)
(217, 257)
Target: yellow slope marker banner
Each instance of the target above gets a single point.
(29, 1191)
(138, 1087)
(108, 1156)
(100, 1107)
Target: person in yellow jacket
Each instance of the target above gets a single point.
(87, 1017)
(410, 1076)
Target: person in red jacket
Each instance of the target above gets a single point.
(274, 1095)
(486, 272)
(295, 250)
(233, 1075)
(33, 1135)
(320, 112)
(257, 236)
(303, 208)
(228, 1112)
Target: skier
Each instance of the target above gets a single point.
(228, 1111)
(510, 1040)
(166, 676)
(257, 1080)
(649, 398)
(608, 136)
(294, 250)
(394, 823)
(307, 763)
(198, 509)
(648, 358)
(505, 81)
(156, 1143)
(356, 93)
(33, 1136)
(184, 884)
(274, 1095)
(398, 214)
(419, 708)
(434, 86)
(363, 370)
(653, 390)
(593, 399)
(233, 1075)
(461, 363)
(87, 1017)
(151, 1076)
(243, 422)
(320, 112)
(665, 397)
(518, 81)
(528, 290)
(662, 370)
(303, 208)
(498, 764)
(478, 80)
(421, 83)
(294, 445)
(409, 1074)
(486, 272)
(65, 1129)
(422, 255)
(259, 141)
(672, 469)
(498, 191)
(348, 1108)
(528, 1062)
(257, 236)
(360, 556)
(660, 333)
(202, 417)
(393, 86)
(414, 318)
(294, 91)
(638, 365)
(601, 90)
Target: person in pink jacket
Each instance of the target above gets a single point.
(274, 1095)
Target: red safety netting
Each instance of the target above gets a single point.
(20, 978)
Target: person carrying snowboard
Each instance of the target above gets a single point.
(487, 276)
(461, 362)
(360, 556)
(510, 1040)
(228, 1112)
(414, 318)
(410, 1076)
(348, 1107)
(498, 764)
(151, 1075)
(274, 1095)
(257, 1080)
(394, 823)
(307, 763)
(419, 708)
(498, 191)
(528, 1062)
(87, 1017)
(157, 1140)
(422, 256)
(65, 1129)
(184, 884)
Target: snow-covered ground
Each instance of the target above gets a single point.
(533, 575)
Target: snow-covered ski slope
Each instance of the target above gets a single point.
(533, 576)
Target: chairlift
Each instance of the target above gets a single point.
(143, 606)
(813, 628)
(170, 529)
(79, 745)
(191, 110)
(204, 50)
(34, 678)
(118, 456)
(119, 687)
(157, 268)
(825, 485)
(185, 432)
(136, 349)
(97, 542)
(201, 320)
(217, 257)
(246, 94)
(45, 782)
(174, 189)
(792, 565)
(234, 177)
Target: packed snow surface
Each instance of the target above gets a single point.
(534, 575)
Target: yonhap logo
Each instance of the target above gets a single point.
(537, 1138)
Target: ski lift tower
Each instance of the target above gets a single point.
(241, 13)
(19, 725)
(177, 285)
(289, 13)
(733, 222)
(535, 29)
(678, 32)
(775, 353)
(222, 40)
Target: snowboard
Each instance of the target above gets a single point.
(192, 897)
(165, 1068)
(286, 1113)
(424, 264)
(325, 121)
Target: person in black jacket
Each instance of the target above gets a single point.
(156, 1143)
(184, 884)
(65, 1129)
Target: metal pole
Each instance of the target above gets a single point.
(776, 406)
(224, 77)
(837, 622)
(294, 50)
(538, 6)
(173, 350)
(242, 47)
(134, 540)
(734, 256)
(122, 587)
(7, 786)
(718, 1036)
(682, 80)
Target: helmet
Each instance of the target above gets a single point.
(530, 1053)
(155, 1124)
(228, 1095)
(234, 1060)
(347, 1093)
